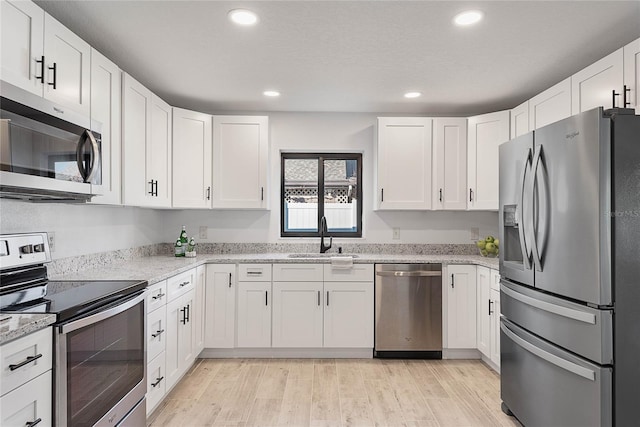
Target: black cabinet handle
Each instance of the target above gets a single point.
(158, 380)
(229, 279)
(261, 193)
(318, 298)
(158, 333)
(208, 193)
(613, 98)
(54, 69)
(25, 362)
(33, 423)
(441, 194)
(471, 195)
(183, 284)
(382, 194)
(156, 193)
(625, 89)
(157, 296)
(183, 310)
(452, 282)
(266, 297)
(188, 312)
(490, 312)
(151, 192)
(41, 76)
(327, 298)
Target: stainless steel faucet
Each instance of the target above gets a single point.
(323, 230)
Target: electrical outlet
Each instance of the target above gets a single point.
(396, 234)
(203, 232)
(52, 241)
(475, 233)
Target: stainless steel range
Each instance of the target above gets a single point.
(100, 354)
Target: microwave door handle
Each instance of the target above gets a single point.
(88, 171)
(526, 252)
(534, 242)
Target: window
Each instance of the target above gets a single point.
(337, 177)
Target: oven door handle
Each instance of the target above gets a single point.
(102, 315)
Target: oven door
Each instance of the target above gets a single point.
(100, 365)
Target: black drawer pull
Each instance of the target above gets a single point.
(158, 380)
(158, 333)
(34, 423)
(25, 362)
(157, 296)
(184, 284)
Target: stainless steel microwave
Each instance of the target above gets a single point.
(47, 153)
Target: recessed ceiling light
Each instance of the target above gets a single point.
(243, 16)
(271, 93)
(412, 94)
(468, 17)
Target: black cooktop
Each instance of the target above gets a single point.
(81, 297)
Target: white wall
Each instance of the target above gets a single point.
(83, 229)
(346, 132)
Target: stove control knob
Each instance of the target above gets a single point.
(26, 249)
(39, 247)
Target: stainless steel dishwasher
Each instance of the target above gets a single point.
(408, 311)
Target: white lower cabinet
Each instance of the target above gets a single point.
(155, 382)
(254, 314)
(483, 310)
(460, 286)
(220, 306)
(179, 352)
(494, 353)
(156, 332)
(199, 310)
(28, 404)
(297, 314)
(348, 314)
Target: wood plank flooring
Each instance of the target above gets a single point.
(340, 392)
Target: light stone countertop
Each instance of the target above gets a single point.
(154, 269)
(16, 325)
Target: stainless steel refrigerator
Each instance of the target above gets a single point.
(570, 272)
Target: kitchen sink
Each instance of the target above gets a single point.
(319, 255)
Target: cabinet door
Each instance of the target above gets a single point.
(22, 45)
(450, 163)
(156, 381)
(179, 351)
(136, 113)
(486, 133)
(348, 314)
(483, 309)
(159, 152)
(254, 314)
(191, 159)
(592, 87)
(551, 105)
(186, 343)
(156, 332)
(28, 403)
(461, 306)
(404, 163)
(631, 73)
(68, 66)
(199, 309)
(297, 314)
(240, 162)
(519, 120)
(495, 327)
(220, 312)
(106, 89)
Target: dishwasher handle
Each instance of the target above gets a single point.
(432, 273)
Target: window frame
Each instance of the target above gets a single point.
(321, 157)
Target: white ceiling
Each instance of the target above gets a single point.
(357, 56)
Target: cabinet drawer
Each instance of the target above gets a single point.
(156, 296)
(180, 284)
(155, 382)
(28, 403)
(297, 273)
(156, 332)
(38, 346)
(357, 273)
(254, 272)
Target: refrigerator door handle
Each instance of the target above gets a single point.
(570, 313)
(526, 252)
(551, 358)
(537, 156)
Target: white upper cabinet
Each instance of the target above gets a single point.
(41, 55)
(404, 163)
(486, 133)
(22, 45)
(105, 108)
(631, 73)
(519, 120)
(240, 162)
(551, 105)
(450, 163)
(68, 64)
(146, 146)
(191, 159)
(594, 85)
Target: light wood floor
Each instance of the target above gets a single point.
(328, 392)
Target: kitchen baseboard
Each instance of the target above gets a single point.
(288, 353)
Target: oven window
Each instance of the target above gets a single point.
(105, 361)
